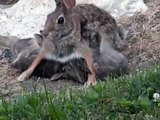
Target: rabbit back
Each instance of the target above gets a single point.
(93, 17)
(93, 20)
(97, 23)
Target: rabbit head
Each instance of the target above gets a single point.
(62, 22)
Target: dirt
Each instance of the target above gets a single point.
(11, 87)
(142, 51)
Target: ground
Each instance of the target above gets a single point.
(143, 48)
(142, 51)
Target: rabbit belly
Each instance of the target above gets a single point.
(64, 59)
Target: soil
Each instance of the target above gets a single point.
(9, 86)
(142, 51)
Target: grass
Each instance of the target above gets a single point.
(126, 98)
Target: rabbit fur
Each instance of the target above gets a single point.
(82, 31)
(100, 31)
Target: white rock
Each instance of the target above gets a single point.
(25, 18)
(156, 97)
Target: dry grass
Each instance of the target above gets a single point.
(143, 48)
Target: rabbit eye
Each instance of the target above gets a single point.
(61, 20)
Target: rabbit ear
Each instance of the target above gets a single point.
(59, 3)
(69, 4)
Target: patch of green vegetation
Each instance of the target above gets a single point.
(125, 98)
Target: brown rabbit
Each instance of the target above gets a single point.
(100, 30)
(63, 42)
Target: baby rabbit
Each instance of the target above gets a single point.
(24, 51)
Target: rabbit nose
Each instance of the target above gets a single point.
(45, 34)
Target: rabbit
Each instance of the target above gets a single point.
(63, 43)
(100, 30)
(24, 50)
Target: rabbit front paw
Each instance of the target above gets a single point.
(23, 76)
(91, 81)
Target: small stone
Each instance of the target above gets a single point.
(156, 97)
